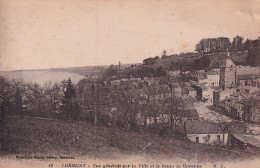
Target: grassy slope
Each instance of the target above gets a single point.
(216, 59)
(35, 136)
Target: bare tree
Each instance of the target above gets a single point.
(128, 104)
(52, 91)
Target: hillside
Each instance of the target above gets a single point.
(32, 136)
(187, 62)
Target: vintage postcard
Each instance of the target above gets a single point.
(129, 83)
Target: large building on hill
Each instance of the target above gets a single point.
(213, 45)
(232, 76)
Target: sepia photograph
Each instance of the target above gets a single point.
(129, 83)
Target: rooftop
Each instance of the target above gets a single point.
(203, 127)
(247, 139)
(228, 63)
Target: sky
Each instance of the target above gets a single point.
(36, 34)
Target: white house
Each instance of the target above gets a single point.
(213, 78)
(206, 132)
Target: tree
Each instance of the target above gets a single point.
(18, 106)
(52, 94)
(70, 105)
(164, 54)
(253, 57)
(128, 105)
(7, 92)
(175, 107)
(36, 100)
(202, 63)
(19, 87)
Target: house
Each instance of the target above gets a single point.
(187, 84)
(184, 92)
(216, 70)
(202, 80)
(213, 78)
(162, 118)
(194, 83)
(246, 80)
(232, 75)
(219, 95)
(191, 92)
(206, 132)
(200, 72)
(174, 73)
(150, 81)
(207, 94)
(255, 114)
(176, 89)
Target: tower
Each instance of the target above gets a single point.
(227, 74)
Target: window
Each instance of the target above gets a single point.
(218, 138)
(197, 140)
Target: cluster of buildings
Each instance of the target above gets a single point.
(231, 89)
(200, 83)
(238, 93)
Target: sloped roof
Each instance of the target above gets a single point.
(190, 89)
(188, 84)
(212, 73)
(184, 91)
(228, 63)
(247, 139)
(200, 77)
(190, 113)
(247, 77)
(203, 127)
(193, 82)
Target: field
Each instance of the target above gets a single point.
(31, 136)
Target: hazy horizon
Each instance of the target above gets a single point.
(76, 33)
